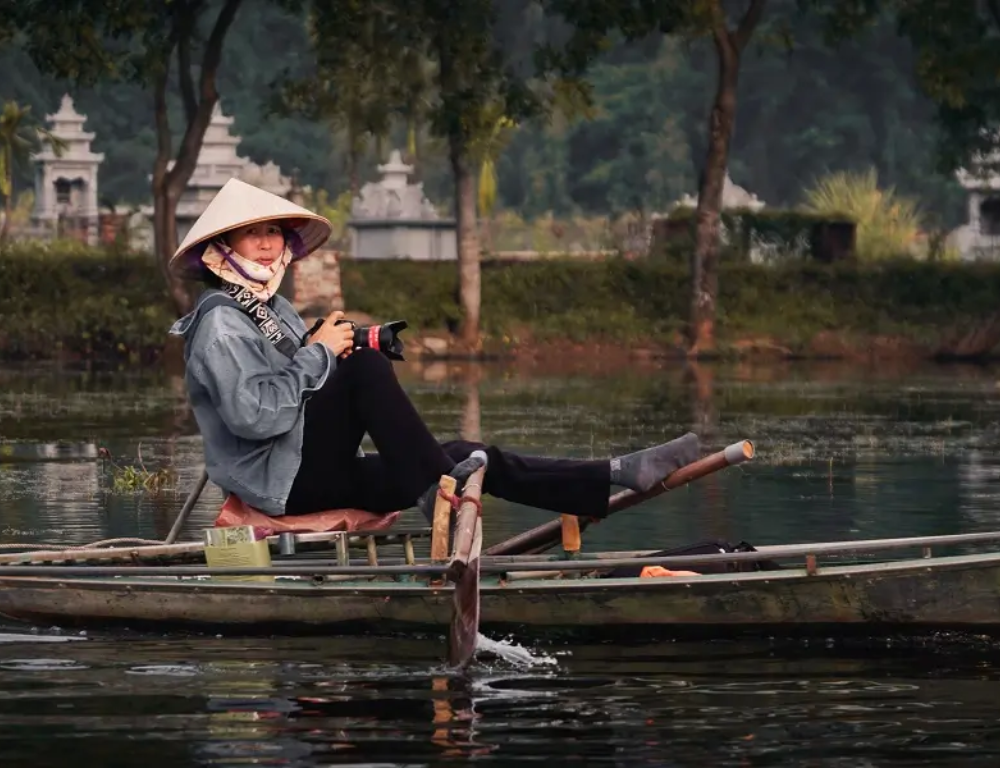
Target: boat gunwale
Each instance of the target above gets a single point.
(304, 586)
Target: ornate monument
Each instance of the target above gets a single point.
(66, 187)
(733, 196)
(979, 237)
(392, 219)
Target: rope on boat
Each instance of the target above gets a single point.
(94, 545)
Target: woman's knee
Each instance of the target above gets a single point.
(366, 361)
(458, 450)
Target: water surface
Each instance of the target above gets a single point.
(843, 453)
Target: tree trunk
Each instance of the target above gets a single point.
(8, 203)
(469, 281)
(199, 103)
(729, 46)
(353, 155)
(164, 206)
(8, 210)
(705, 263)
(352, 172)
(165, 231)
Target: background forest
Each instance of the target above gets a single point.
(806, 109)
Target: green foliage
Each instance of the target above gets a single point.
(958, 57)
(813, 109)
(647, 301)
(424, 294)
(66, 300)
(135, 478)
(888, 225)
(19, 139)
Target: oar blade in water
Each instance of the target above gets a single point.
(464, 635)
(463, 571)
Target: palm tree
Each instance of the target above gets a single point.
(20, 138)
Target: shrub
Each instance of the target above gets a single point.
(888, 225)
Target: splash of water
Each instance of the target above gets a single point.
(512, 653)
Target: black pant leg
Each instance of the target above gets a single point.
(574, 486)
(363, 395)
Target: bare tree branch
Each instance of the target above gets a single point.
(187, 156)
(184, 23)
(748, 24)
(163, 144)
(213, 49)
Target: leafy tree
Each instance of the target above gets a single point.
(957, 44)
(355, 87)
(480, 69)
(20, 138)
(958, 47)
(594, 20)
(143, 42)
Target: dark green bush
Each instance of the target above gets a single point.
(64, 300)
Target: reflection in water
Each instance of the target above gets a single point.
(208, 701)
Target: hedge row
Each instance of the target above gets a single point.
(74, 301)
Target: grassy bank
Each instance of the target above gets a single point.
(798, 309)
(74, 302)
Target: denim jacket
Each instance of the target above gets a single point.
(248, 398)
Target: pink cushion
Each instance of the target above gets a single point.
(235, 512)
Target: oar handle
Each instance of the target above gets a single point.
(468, 526)
(463, 570)
(182, 516)
(549, 534)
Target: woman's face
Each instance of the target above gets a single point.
(261, 242)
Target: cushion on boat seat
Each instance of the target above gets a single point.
(235, 512)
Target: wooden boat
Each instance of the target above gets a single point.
(911, 590)
(513, 585)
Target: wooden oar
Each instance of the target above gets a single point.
(549, 534)
(464, 572)
(189, 503)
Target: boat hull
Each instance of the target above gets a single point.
(946, 592)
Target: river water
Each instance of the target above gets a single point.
(844, 452)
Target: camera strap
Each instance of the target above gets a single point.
(260, 314)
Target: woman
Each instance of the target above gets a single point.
(282, 412)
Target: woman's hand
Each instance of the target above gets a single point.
(339, 338)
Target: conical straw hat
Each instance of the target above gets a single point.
(238, 204)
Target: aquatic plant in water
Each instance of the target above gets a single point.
(135, 478)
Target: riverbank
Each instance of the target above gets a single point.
(79, 303)
(634, 310)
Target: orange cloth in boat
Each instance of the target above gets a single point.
(658, 571)
(235, 512)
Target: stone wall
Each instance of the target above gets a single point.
(316, 284)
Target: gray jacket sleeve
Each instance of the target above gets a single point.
(254, 400)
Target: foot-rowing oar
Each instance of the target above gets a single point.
(549, 534)
(464, 572)
(189, 503)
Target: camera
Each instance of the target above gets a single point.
(384, 337)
